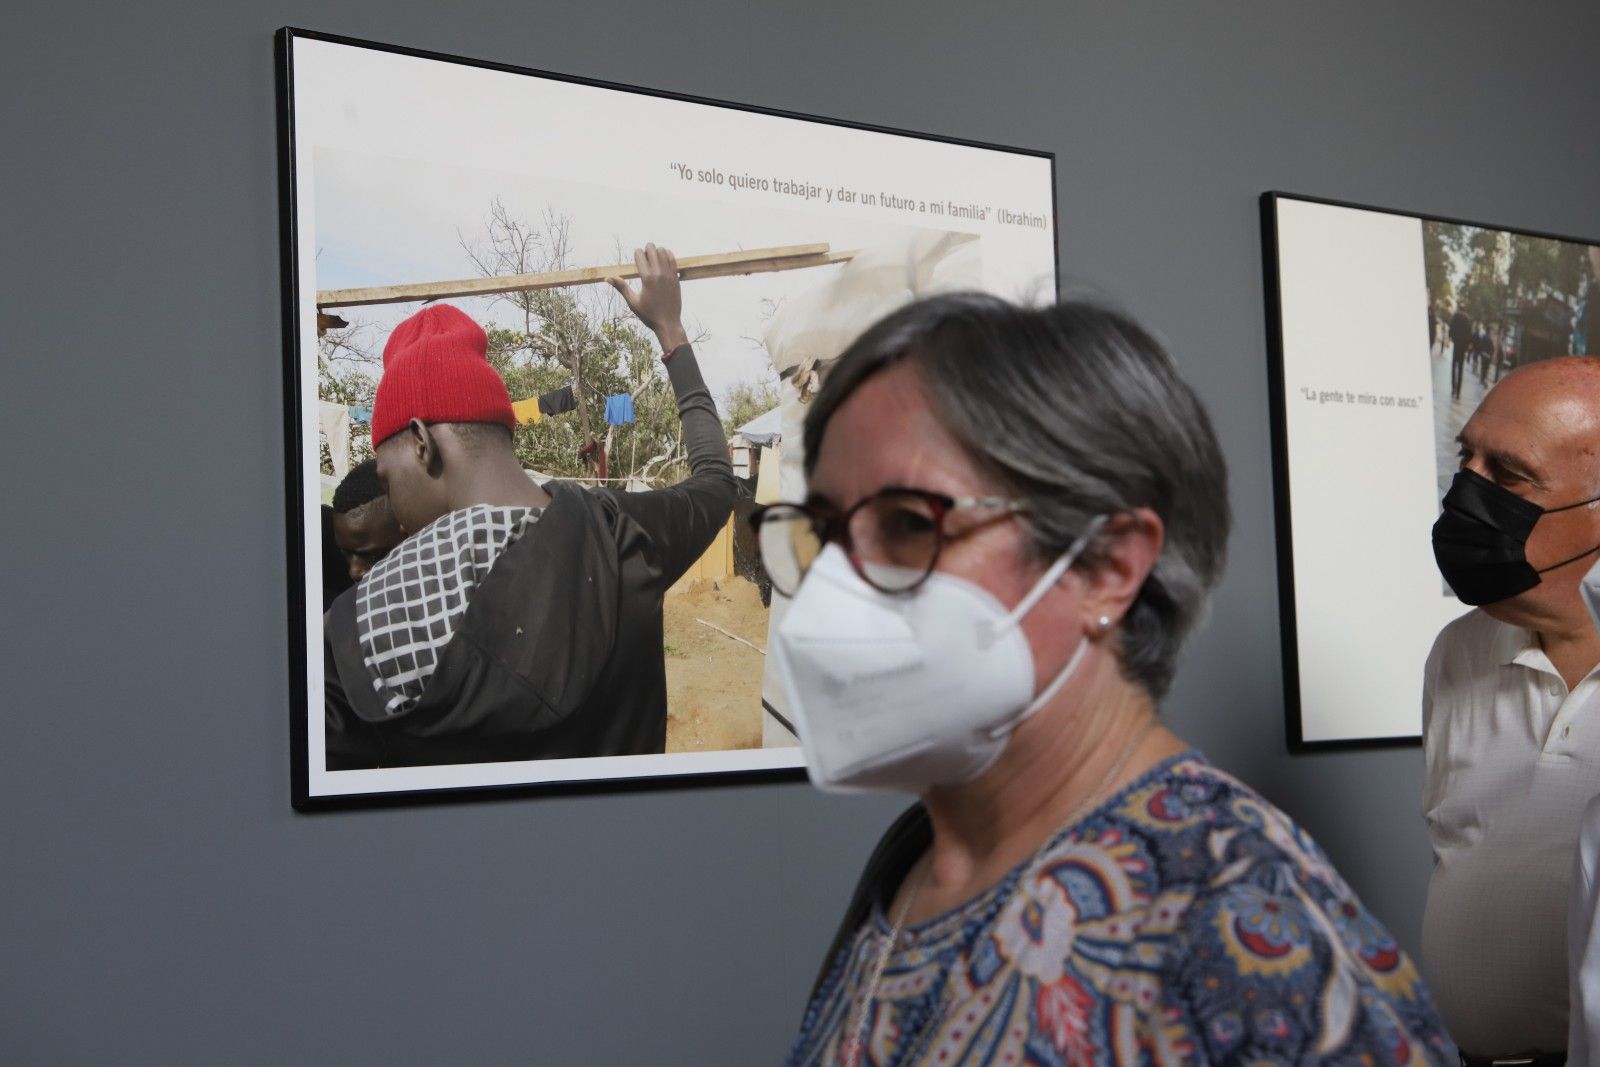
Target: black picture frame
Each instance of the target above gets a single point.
(304, 708)
(1290, 630)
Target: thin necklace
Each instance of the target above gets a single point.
(855, 1045)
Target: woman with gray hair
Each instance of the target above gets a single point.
(1014, 519)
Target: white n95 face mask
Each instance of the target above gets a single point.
(905, 692)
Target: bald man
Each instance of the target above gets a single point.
(1511, 712)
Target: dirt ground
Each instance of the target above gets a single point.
(713, 681)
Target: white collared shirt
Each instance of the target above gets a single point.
(1512, 758)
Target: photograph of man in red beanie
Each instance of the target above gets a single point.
(515, 621)
(587, 593)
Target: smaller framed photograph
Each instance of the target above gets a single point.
(1385, 330)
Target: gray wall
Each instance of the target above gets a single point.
(159, 902)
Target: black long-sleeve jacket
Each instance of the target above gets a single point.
(559, 653)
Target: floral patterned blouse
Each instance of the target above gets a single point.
(1185, 920)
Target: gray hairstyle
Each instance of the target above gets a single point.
(1075, 408)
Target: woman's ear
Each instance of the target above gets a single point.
(1127, 550)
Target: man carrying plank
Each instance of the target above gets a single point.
(515, 621)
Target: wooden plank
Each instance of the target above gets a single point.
(766, 266)
(721, 265)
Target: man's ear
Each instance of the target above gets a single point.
(424, 446)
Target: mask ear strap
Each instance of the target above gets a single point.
(1569, 507)
(1049, 579)
(1057, 569)
(1046, 693)
(1563, 563)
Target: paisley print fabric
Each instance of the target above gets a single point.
(1185, 920)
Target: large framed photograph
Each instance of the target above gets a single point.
(1385, 330)
(451, 230)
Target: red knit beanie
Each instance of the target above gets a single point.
(435, 369)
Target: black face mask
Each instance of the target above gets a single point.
(1480, 540)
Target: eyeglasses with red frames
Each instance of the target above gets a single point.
(893, 537)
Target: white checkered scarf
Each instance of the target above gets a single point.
(408, 605)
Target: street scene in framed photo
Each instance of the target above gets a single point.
(550, 343)
(1391, 328)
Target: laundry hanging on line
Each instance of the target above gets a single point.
(595, 448)
(528, 410)
(558, 401)
(334, 422)
(619, 409)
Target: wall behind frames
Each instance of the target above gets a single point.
(161, 902)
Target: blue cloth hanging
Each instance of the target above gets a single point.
(361, 414)
(619, 409)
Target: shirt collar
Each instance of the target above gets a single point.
(1513, 644)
